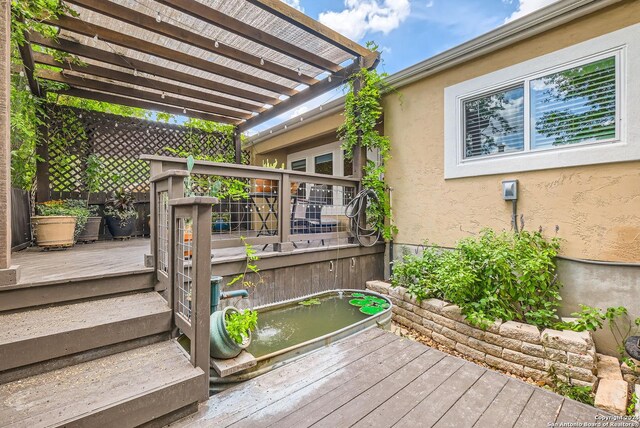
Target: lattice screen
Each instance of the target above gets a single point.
(118, 142)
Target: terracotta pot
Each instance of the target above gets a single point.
(91, 230)
(54, 231)
(266, 186)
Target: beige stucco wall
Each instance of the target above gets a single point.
(596, 208)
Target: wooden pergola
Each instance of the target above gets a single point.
(239, 62)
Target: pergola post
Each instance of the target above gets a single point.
(359, 152)
(237, 144)
(8, 274)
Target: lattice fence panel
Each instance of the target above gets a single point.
(118, 142)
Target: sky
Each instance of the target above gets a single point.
(407, 31)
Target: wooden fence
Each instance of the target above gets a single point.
(20, 219)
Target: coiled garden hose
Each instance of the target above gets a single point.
(356, 213)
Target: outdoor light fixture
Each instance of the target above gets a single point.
(510, 193)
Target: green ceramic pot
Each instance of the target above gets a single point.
(222, 346)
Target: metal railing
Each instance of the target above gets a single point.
(264, 206)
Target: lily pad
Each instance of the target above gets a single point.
(369, 305)
(371, 310)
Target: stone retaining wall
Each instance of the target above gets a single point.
(518, 348)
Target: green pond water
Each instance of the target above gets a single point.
(284, 327)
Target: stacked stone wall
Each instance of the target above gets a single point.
(518, 348)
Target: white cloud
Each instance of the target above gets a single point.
(362, 16)
(525, 7)
(295, 4)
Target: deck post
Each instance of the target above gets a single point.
(284, 214)
(9, 274)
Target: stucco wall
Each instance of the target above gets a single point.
(595, 208)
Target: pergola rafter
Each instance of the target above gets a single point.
(241, 62)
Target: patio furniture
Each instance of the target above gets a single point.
(313, 221)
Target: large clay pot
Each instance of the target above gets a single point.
(54, 231)
(91, 230)
(119, 229)
(222, 346)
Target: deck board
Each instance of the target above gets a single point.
(110, 258)
(278, 409)
(375, 379)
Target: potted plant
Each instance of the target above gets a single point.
(221, 222)
(231, 331)
(120, 213)
(55, 225)
(94, 174)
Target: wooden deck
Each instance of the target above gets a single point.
(377, 379)
(109, 258)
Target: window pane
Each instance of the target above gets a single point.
(324, 164)
(299, 165)
(494, 123)
(574, 106)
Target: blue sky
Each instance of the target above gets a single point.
(408, 31)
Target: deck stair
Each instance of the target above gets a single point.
(77, 354)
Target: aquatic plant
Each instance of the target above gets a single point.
(369, 305)
(310, 302)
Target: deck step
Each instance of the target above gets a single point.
(122, 390)
(59, 291)
(37, 335)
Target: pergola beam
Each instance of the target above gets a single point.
(129, 63)
(77, 81)
(169, 88)
(313, 91)
(29, 67)
(147, 105)
(302, 21)
(235, 26)
(165, 29)
(76, 25)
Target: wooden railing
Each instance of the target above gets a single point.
(270, 206)
(190, 252)
(182, 259)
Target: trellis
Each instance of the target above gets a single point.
(73, 135)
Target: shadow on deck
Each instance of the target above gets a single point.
(377, 379)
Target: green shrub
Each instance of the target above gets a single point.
(508, 276)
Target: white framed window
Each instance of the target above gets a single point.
(563, 109)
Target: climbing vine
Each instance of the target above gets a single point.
(29, 112)
(362, 119)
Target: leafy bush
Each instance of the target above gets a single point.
(621, 326)
(240, 323)
(508, 276)
(68, 207)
